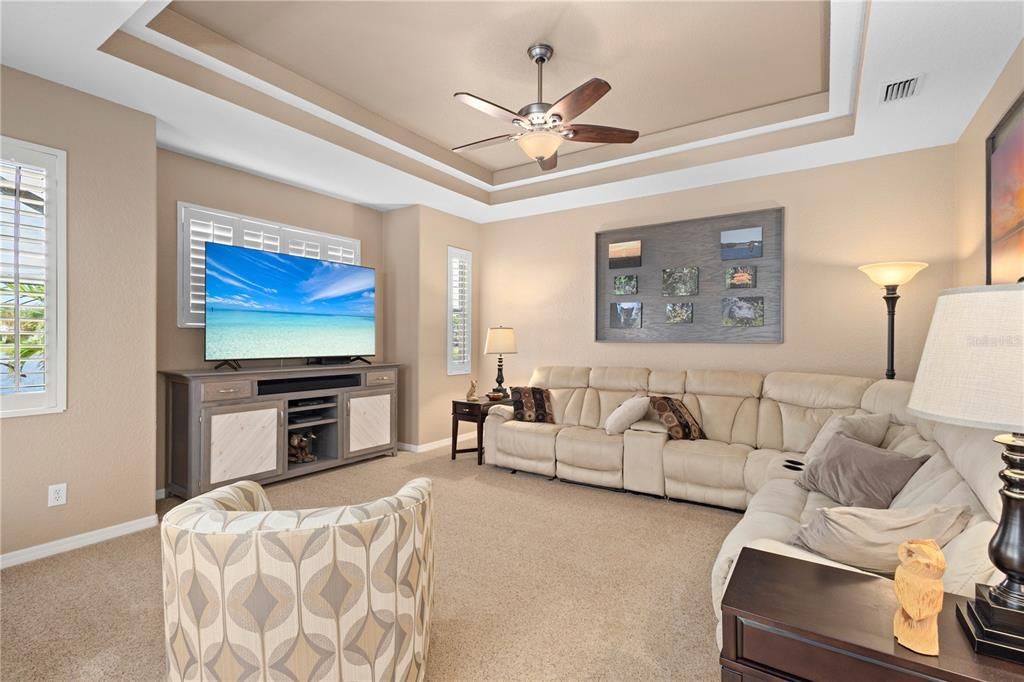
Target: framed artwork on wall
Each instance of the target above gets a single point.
(1004, 238)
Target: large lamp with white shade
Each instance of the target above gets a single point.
(972, 374)
(500, 341)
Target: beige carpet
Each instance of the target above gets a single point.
(536, 579)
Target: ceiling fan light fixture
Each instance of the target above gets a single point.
(540, 145)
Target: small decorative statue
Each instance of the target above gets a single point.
(300, 447)
(918, 585)
(471, 393)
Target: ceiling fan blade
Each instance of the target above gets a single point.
(579, 100)
(482, 143)
(548, 163)
(587, 133)
(490, 108)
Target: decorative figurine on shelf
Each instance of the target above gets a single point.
(471, 393)
(300, 448)
(918, 585)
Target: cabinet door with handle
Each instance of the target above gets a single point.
(242, 442)
(369, 422)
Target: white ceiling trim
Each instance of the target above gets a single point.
(961, 47)
(846, 31)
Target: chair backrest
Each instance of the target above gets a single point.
(608, 388)
(724, 403)
(795, 405)
(568, 388)
(260, 594)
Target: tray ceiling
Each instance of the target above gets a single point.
(669, 64)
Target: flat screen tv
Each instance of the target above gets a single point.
(262, 305)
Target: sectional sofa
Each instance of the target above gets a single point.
(753, 424)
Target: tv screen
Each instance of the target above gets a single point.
(269, 305)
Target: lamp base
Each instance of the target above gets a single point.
(992, 629)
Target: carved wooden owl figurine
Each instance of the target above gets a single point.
(918, 585)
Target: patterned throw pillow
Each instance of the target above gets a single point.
(532, 404)
(677, 419)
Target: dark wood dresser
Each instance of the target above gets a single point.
(786, 619)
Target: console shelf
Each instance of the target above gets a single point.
(225, 426)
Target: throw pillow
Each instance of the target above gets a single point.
(677, 419)
(867, 428)
(531, 404)
(856, 474)
(627, 414)
(868, 538)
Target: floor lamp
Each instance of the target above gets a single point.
(972, 374)
(890, 276)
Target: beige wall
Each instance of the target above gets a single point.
(102, 446)
(416, 260)
(182, 178)
(971, 181)
(538, 272)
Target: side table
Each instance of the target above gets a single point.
(476, 412)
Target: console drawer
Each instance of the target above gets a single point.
(226, 390)
(381, 378)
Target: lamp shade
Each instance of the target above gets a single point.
(894, 273)
(500, 340)
(972, 368)
(540, 145)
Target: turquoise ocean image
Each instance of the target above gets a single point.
(268, 305)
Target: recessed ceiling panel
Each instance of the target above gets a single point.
(670, 64)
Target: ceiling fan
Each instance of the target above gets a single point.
(545, 126)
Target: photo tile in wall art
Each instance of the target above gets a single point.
(746, 242)
(1005, 242)
(678, 313)
(680, 281)
(741, 277)
(625, 285)
(743, 311)
(625, 315)
(624, 255)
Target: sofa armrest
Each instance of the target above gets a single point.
(649, 425)
(504, 412)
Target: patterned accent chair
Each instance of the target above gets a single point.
(318, 594)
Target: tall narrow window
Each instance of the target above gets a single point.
(198, 225)
(460, 311)
(32, 279)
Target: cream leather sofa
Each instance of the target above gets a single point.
(753, 425)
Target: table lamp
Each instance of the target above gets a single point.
(500, 340)
(890, 276)
(972, 374)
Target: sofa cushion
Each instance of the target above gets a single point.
(867, 428)
(568, 387)
(707, 463)
(679, 423)
(967, 561)
(859, 475)
(724, 403)
(529, 440)
(869, 538)
(531, 404)
(589, 448)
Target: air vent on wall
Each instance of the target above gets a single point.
(902, 89)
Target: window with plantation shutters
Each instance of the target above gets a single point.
(460, 311)
(32, 274)
(198, 226)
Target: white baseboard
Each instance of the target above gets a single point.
(425, 447)
(21, 556)
(161, 493)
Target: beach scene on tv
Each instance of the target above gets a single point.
(269, 305)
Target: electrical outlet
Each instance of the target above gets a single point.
(57, 495)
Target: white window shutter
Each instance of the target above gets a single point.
(32, 279)
(460, 311)
(198, 225)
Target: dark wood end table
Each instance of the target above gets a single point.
(476, 412)
(786, 619)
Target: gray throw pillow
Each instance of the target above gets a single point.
(867, 428)
(868, 538)
(855, 474)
